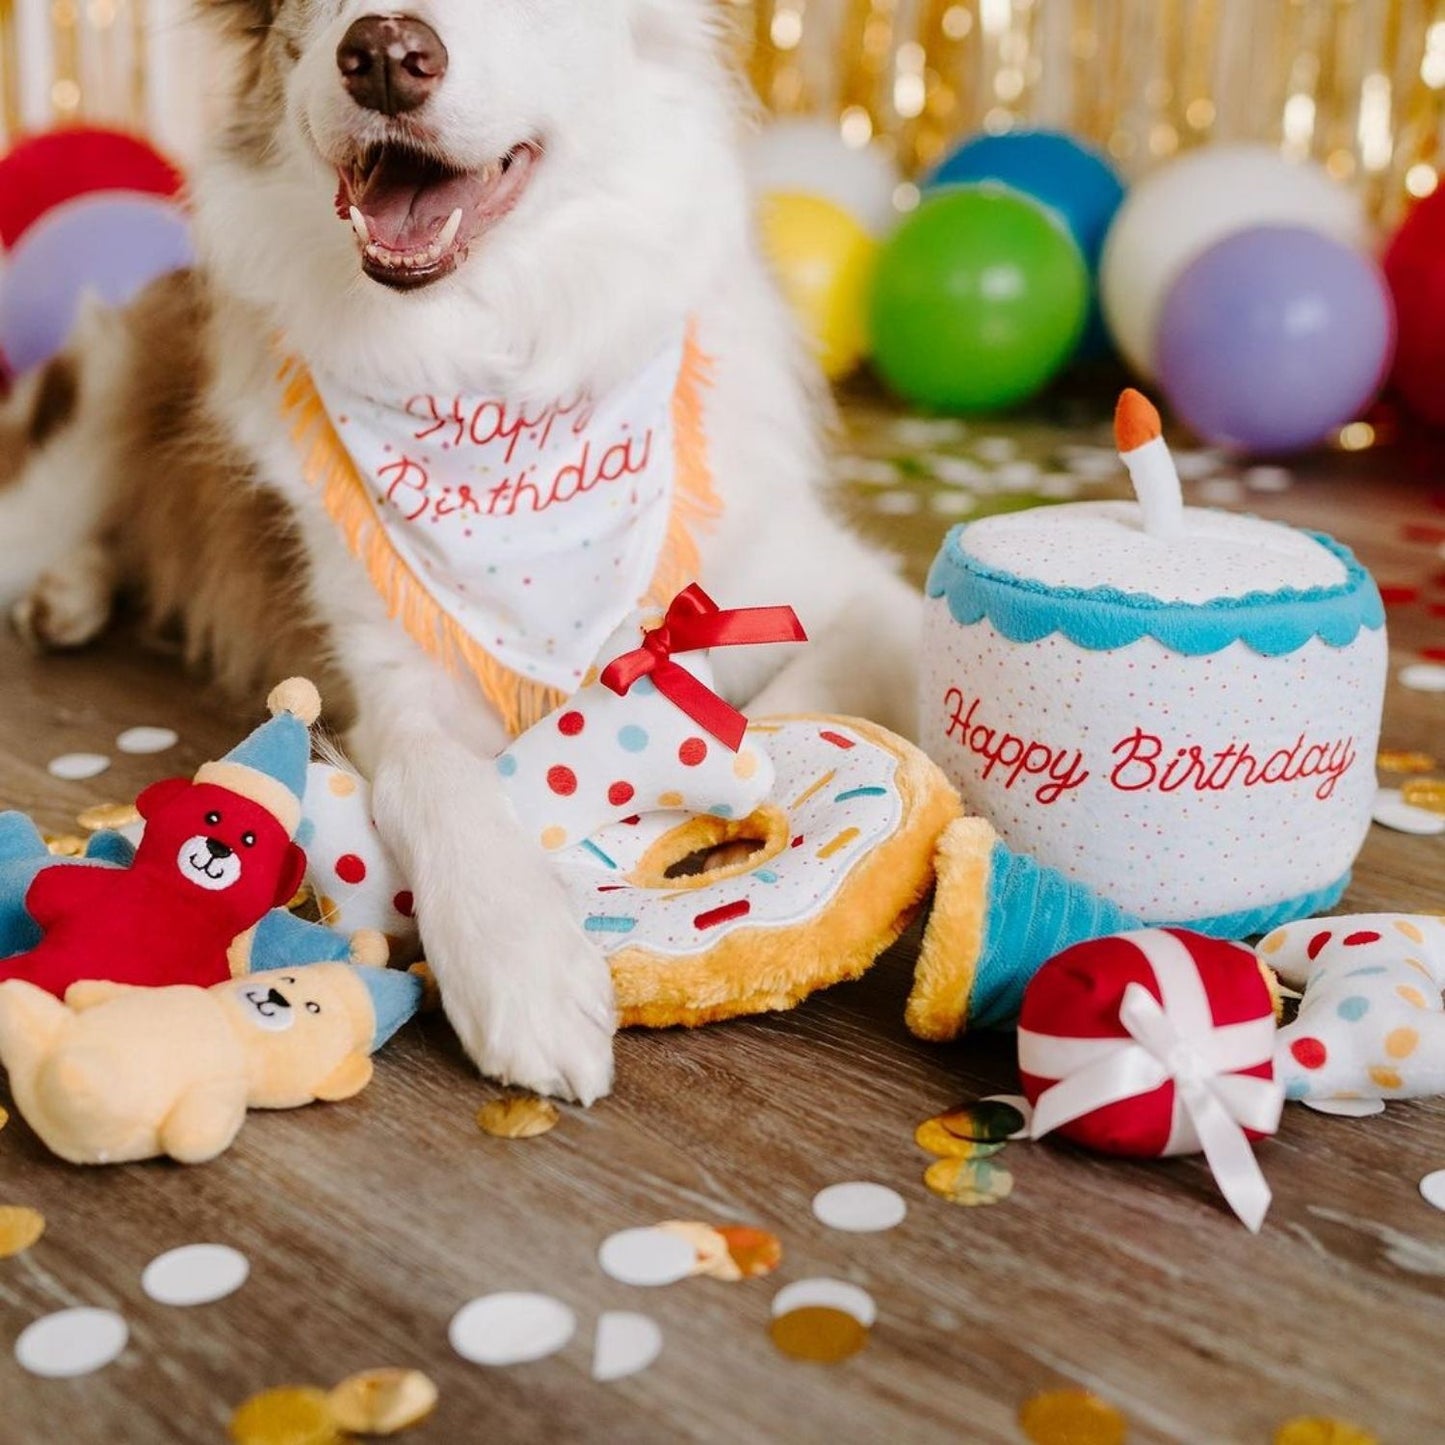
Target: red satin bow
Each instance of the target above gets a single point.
(694, 622)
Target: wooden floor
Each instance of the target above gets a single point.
(369, 1223)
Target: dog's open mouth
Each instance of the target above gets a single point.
(415, 217)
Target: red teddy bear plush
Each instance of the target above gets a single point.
(216, 856)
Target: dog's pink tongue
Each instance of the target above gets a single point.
(403, 215)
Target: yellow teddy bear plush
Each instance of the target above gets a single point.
(116, 1073)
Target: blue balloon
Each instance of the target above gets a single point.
(1273, 337)
(109, 244)
(1071, 178)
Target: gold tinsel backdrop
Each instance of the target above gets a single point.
(1356, 84)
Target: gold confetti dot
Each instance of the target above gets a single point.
(932, 1136)
(383, 1402)
(969, 1181)
(985, 1122)
(109, 815)
(1320, 1430)
(340, 784)
(4, 1116)
(745, 764)
(300, 898)
(1385, 1078)
(1427, 793)
(518, 1116)
(20, 1227)
(1274, 942)
(819, 1334)
(1398, 762)
(431, 992)
(553, 836)
(754, 1252)
(290, 1415)
(669, 800)
(1072, 1417)
(65, 845)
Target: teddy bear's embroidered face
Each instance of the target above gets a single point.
(210, 838)
(307, 1031)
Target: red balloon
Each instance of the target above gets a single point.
(1415, 269)
(44, 170)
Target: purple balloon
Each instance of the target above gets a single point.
(109, 244)
(1273, 337)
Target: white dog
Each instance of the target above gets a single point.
(532, 201)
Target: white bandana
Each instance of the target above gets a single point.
(512, 535)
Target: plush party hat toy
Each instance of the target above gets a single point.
(269, 767)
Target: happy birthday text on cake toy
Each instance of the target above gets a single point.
(1142, 760)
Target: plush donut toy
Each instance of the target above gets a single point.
(729, 867)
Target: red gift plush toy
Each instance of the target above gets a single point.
(1154, 1043)
(216, 856)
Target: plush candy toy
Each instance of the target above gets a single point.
(115, 1074)
(1371, 1024)
(1154, 1043)
(196, 904)
(728, 867)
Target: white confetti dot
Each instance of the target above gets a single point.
(1192, 466)
(1423, 677)
(954, 503)
(1014, 1101)
(1058, 486)
(897, 504)
(1219, 491)
(147, 740)
(922, 431)
(1432, 1187)
(646, 1257)
(956, 471)
(868, 470)
(996, 449)
(626, 1343)
(836, 1294)
(1392, 811)
(859, 1206)
(1268, 479)
(71, 1342)
(77, 767)
(195, 1274)
(1346, 1108)
(511, 1328)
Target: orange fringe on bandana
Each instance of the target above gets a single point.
(327, 465)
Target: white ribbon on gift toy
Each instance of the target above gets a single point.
(1174, 1040)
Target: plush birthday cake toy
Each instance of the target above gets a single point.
(1153, 1043)
(1371, 1023)
(727, 866)
(115, 1074)
(202, 896)
(1174, 706)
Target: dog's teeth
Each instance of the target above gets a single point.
(358, 224)
(448, 233)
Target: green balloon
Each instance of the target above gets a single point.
(978, 299)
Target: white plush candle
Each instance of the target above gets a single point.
(1145, 453)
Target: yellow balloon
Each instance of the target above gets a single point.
(824, 261)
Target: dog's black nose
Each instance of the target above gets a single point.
(218, 849)
(391, 63)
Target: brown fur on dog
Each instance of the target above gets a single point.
(204, 552)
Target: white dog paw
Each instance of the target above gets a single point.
(69, 606)
(540, 1014)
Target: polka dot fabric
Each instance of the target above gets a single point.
(606, 757)
(1371, 1023)
(355, 880)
